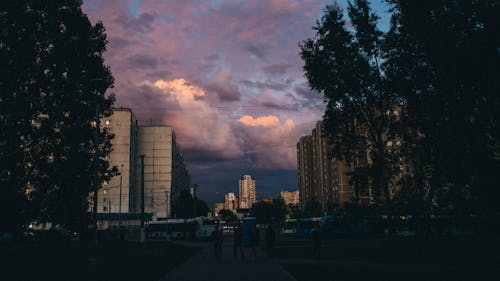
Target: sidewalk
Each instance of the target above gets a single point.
(205, 267)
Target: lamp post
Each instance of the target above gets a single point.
(120, 200)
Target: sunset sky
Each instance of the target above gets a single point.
(225, 74)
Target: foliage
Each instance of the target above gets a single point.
(52, 77)
(228, 216)
(360, 115)
(420, 101)
(443, 59)
(267, 212)
(185, 206)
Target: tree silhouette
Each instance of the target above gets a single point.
(52, 77)
(360, 115)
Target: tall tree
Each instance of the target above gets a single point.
(344, 65)
(52, 78)
(443, 59)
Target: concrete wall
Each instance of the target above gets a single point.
(122, 124)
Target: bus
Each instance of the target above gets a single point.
(305, 225)
(170, 229)
(207, 225)
(290, 226)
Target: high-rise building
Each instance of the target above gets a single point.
(305, 171)
(247, 189)
(165, 172)
(116, 195)
(323, 179)
(290, 197)
(231, 202)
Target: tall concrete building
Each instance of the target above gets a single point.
(247, 189)
(231, 202)
(165, 172)
(116, 195)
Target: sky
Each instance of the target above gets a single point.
(226, 75)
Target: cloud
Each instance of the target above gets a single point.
(143, 61)
(264, 85)
(264, 121)
(254, 50)
(277, 68)
(221, 85)
(144, 23)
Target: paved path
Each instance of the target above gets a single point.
(205, 267)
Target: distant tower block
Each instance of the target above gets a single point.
(247, 191)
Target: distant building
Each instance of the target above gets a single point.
(231, 202)
(247, 188)
(218, 207)
(165, 172)
(290, 197)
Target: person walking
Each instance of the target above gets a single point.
(254, 240)
(316, 241)
(218, 239)
(238, 243)
(270, 239)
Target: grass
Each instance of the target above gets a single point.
(444, 251)
(122, 261)
(324, 272)
(387, 259)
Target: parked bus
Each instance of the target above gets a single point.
(207, 225)
(170, 229)
(290, 226)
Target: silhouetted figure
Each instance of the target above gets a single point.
(254, 240)
(316, 241)
(238, 243)
(270, 238)
(218, 239)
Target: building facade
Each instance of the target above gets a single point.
(247, 188)
(231, 202)
(290, 197)
(323, 179)
(165, 172)
(116, 195)
(219, 206)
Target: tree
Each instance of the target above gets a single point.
(443, 60)
(228, 216)
(185, 206)
(267, 212)
(52, 77)
(360, 116)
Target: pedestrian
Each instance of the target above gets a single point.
(270, 238)
(316, 241)
(238, 243)
(254, 240)
(218, 239)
